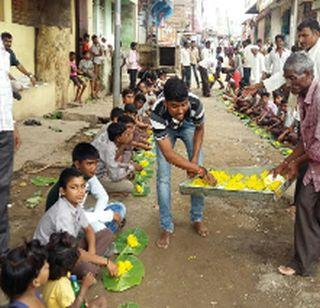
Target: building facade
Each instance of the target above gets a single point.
(45, 31)
(272, 17)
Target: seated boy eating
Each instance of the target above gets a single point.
(66, 215)
(113, 173)
(139, 140)
(85, 158)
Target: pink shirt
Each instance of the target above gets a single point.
(310, 132)
(73, 69)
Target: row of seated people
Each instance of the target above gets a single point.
(72, 236)
(273, 112)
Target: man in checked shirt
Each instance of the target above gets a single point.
(299, 75)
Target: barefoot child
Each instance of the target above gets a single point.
(67, 216)
(23, 271)
(63, 254)
(78, 82)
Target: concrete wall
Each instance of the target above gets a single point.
(261, 29)
(275, 23)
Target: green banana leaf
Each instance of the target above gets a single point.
(35, 200)
(146, 191)
(129, 305)
(141, 178)
(128, 280)
(286, 151)
(43, 181)
(122, 246)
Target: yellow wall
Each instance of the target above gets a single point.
(73, 26)
(23, 45)
(90, 16)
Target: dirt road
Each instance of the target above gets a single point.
(236, 265)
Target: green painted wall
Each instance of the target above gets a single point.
(128, 24)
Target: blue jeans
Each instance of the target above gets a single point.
(185, 133)
(119, 208)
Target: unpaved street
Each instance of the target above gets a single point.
(235, 266)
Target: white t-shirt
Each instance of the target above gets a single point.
(6, 99)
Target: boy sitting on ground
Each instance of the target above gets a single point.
(85, 158)
(131, 111)
(127, 97)
(114, 175)
(139, 140)
(270, 110)
(66, 215)
(140, 102)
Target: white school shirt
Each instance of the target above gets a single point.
(275, 62)
(6, 99)
(185, 57)
(97, 216)
(277, 80)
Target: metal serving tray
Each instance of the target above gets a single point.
(264, 195)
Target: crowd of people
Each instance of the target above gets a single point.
(91, 65)
(276, 88)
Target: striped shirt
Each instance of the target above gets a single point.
(161, 120)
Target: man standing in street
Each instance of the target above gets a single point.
(194, 53)
(308, 36)
(9, 139)
(178, 115)
(186, 64)
(207, 52)
(298, 72)
(247, 61)
(277, 57)
(204, 66)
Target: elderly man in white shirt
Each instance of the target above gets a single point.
(9, 139)
(258, 68)
(186, 64)
(277, 57)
